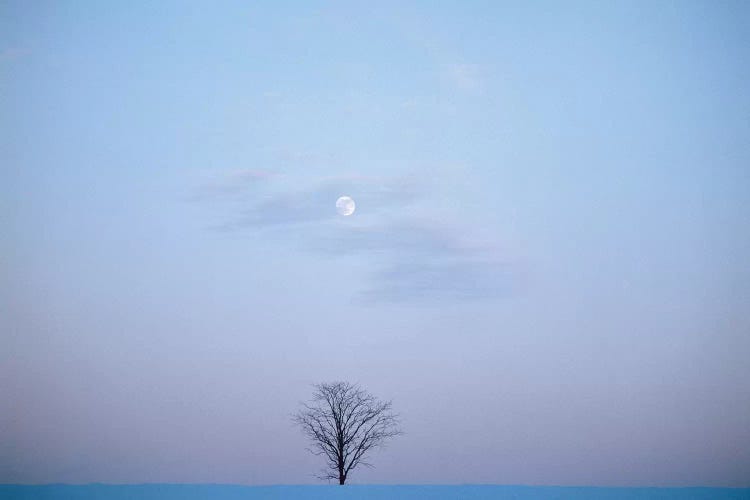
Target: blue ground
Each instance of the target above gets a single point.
(225, 492)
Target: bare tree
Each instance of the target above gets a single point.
(344, 423)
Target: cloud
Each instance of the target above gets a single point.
(410, 237)
(230, 184)
(422, 261)
(12, 53)
(414, 259)
(316, 204)
(466, 77)
(430, 280)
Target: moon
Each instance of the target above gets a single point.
(345, 206)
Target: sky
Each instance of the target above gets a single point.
(548, 269)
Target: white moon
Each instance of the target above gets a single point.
(345, 206)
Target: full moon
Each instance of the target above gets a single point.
(345, 206)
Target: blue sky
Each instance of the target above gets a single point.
(547, 270)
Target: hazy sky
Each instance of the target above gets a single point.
(548, 271)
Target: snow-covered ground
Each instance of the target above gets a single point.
(463, 492)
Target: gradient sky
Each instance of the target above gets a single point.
(548, 271)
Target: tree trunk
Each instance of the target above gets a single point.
(342, 478)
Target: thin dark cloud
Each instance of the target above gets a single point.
(373, 195)
(421, 261)
(13, 53)
(392, 236)
(231, 184)
(430, 280)
(415, 259)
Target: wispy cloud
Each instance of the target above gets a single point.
(415, 259)
(422, 261)
(230, 184)
(12, 53)
(465, 77)
(373, 195)
(460, 277)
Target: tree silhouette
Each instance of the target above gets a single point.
(344, 422)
